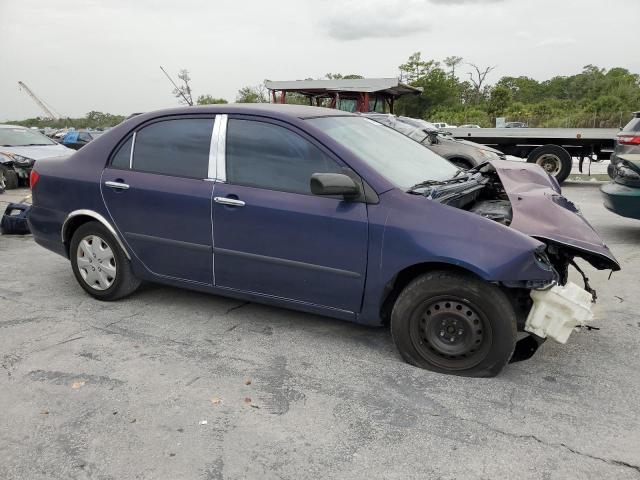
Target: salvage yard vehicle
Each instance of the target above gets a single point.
(627, 142)
(461, 153)
(20, 147)
(77, 139)
(551, 148)
(622, 196)
(326, 212)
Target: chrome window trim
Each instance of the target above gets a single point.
(213, 148)
(98, 217)
(221, 168)
(133, 143)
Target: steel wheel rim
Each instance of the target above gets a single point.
(550, 162)
(3, 181)
(96, 262)
(450, 333)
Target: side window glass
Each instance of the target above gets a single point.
(121, 158)
(272, 157)
(174, 147)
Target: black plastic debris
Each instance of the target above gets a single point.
(14, 220)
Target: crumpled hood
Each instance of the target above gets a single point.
(37, 152)
(541, 212)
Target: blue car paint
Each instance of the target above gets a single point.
(70, 137)
(399, 231)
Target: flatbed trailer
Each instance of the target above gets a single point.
(551, 148)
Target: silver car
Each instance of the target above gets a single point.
(462, 153)
(20, 147)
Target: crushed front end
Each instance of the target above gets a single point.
(523, 197)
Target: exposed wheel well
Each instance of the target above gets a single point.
(70, 227)
(404, 277)
(461, 162)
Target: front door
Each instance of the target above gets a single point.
(158, 195)
(271, 235)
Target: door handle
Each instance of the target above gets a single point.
(229, 201)
(118, 185)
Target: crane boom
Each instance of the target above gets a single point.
(40, 103)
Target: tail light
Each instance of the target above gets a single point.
(629, 139)
(33, 178)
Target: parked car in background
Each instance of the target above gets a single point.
(461, 153)
(469, 125)
(515, 125)
(77, 139)
(627, 142)
(622, 196)
(441, 125)
(327, 212)
(20, 147)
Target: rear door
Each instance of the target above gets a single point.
(271, 235)
(157, 191)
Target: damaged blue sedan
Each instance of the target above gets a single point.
(326, 212)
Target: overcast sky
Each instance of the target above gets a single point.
(105, 54)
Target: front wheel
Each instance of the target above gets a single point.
(99, 264)
(454, 323)
(9, 178)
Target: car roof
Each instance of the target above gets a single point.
(273, 109)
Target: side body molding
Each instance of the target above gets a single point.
(98, 217)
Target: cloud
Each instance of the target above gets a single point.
(556, 41)
(461, 2)
(353, 28)
(356, 20)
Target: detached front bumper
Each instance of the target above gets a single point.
(557, 311)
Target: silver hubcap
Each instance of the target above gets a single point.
(96, 262)
(551, 163)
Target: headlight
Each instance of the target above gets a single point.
(19, 159)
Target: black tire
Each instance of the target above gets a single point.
(484, 323)
(553, 151)
(124, 283)
(10, 177)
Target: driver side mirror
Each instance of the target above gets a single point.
(334, 184)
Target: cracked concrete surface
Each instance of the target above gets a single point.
(121, 390)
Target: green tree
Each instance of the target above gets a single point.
(252, 94)
(452, 62)
(499, 100)
(209, 100)
(416, 68)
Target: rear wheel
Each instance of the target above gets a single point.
(454, 323)
(555, 160)
(99, 264)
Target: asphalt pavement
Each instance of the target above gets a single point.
(173, 384)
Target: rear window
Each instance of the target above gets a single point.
(633, 125)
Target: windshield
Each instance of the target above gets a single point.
(416, 122)
(404, 162)
(21, 137)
